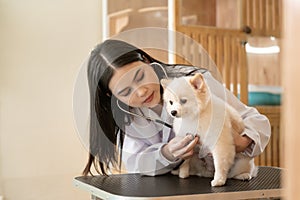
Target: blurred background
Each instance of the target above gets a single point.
(44, 43)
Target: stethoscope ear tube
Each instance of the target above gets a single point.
(147, 118)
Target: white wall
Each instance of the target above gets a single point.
(42, 45)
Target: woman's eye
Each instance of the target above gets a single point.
(183, 101)
(171, 102)
(126, 92)
(140, 76)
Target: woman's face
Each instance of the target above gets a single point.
(136, 84)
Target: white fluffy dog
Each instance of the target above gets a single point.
(197, 111)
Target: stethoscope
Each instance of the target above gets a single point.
(146, 117)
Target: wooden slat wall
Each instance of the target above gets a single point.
(263, 17)
(225, 48)
(230, 58)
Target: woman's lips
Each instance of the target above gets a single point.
(149, 99)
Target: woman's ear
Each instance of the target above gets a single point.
(145, 59)
(165, 82)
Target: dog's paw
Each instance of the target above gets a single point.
(183, 174)
(218, 182)
(175, 172)
(243, 177)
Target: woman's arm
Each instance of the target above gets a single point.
(140, 157)
(153, 157)
(257, 127)
(142, 149)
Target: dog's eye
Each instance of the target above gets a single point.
(183, 101)
(171, 102)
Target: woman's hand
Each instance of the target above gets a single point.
(180, 147)
(241, 142)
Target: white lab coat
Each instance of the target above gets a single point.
(144, 138)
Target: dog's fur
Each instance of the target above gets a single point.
(194, 109)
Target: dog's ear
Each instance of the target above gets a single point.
(165, 82)
(197, 81)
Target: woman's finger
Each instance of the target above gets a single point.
(180, 142)
(187, 155)
(185, 149)
(186, 140)
(192, 144)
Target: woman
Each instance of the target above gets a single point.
(128, 123)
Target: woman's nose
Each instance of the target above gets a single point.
(141, 91)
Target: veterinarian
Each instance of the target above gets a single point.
(129, 126)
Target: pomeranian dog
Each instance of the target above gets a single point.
(197, 111)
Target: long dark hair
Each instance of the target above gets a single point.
(107, 121)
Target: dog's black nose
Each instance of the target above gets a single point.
(173, 112)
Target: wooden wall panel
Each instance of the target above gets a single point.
(263, 17)
(225, 48)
